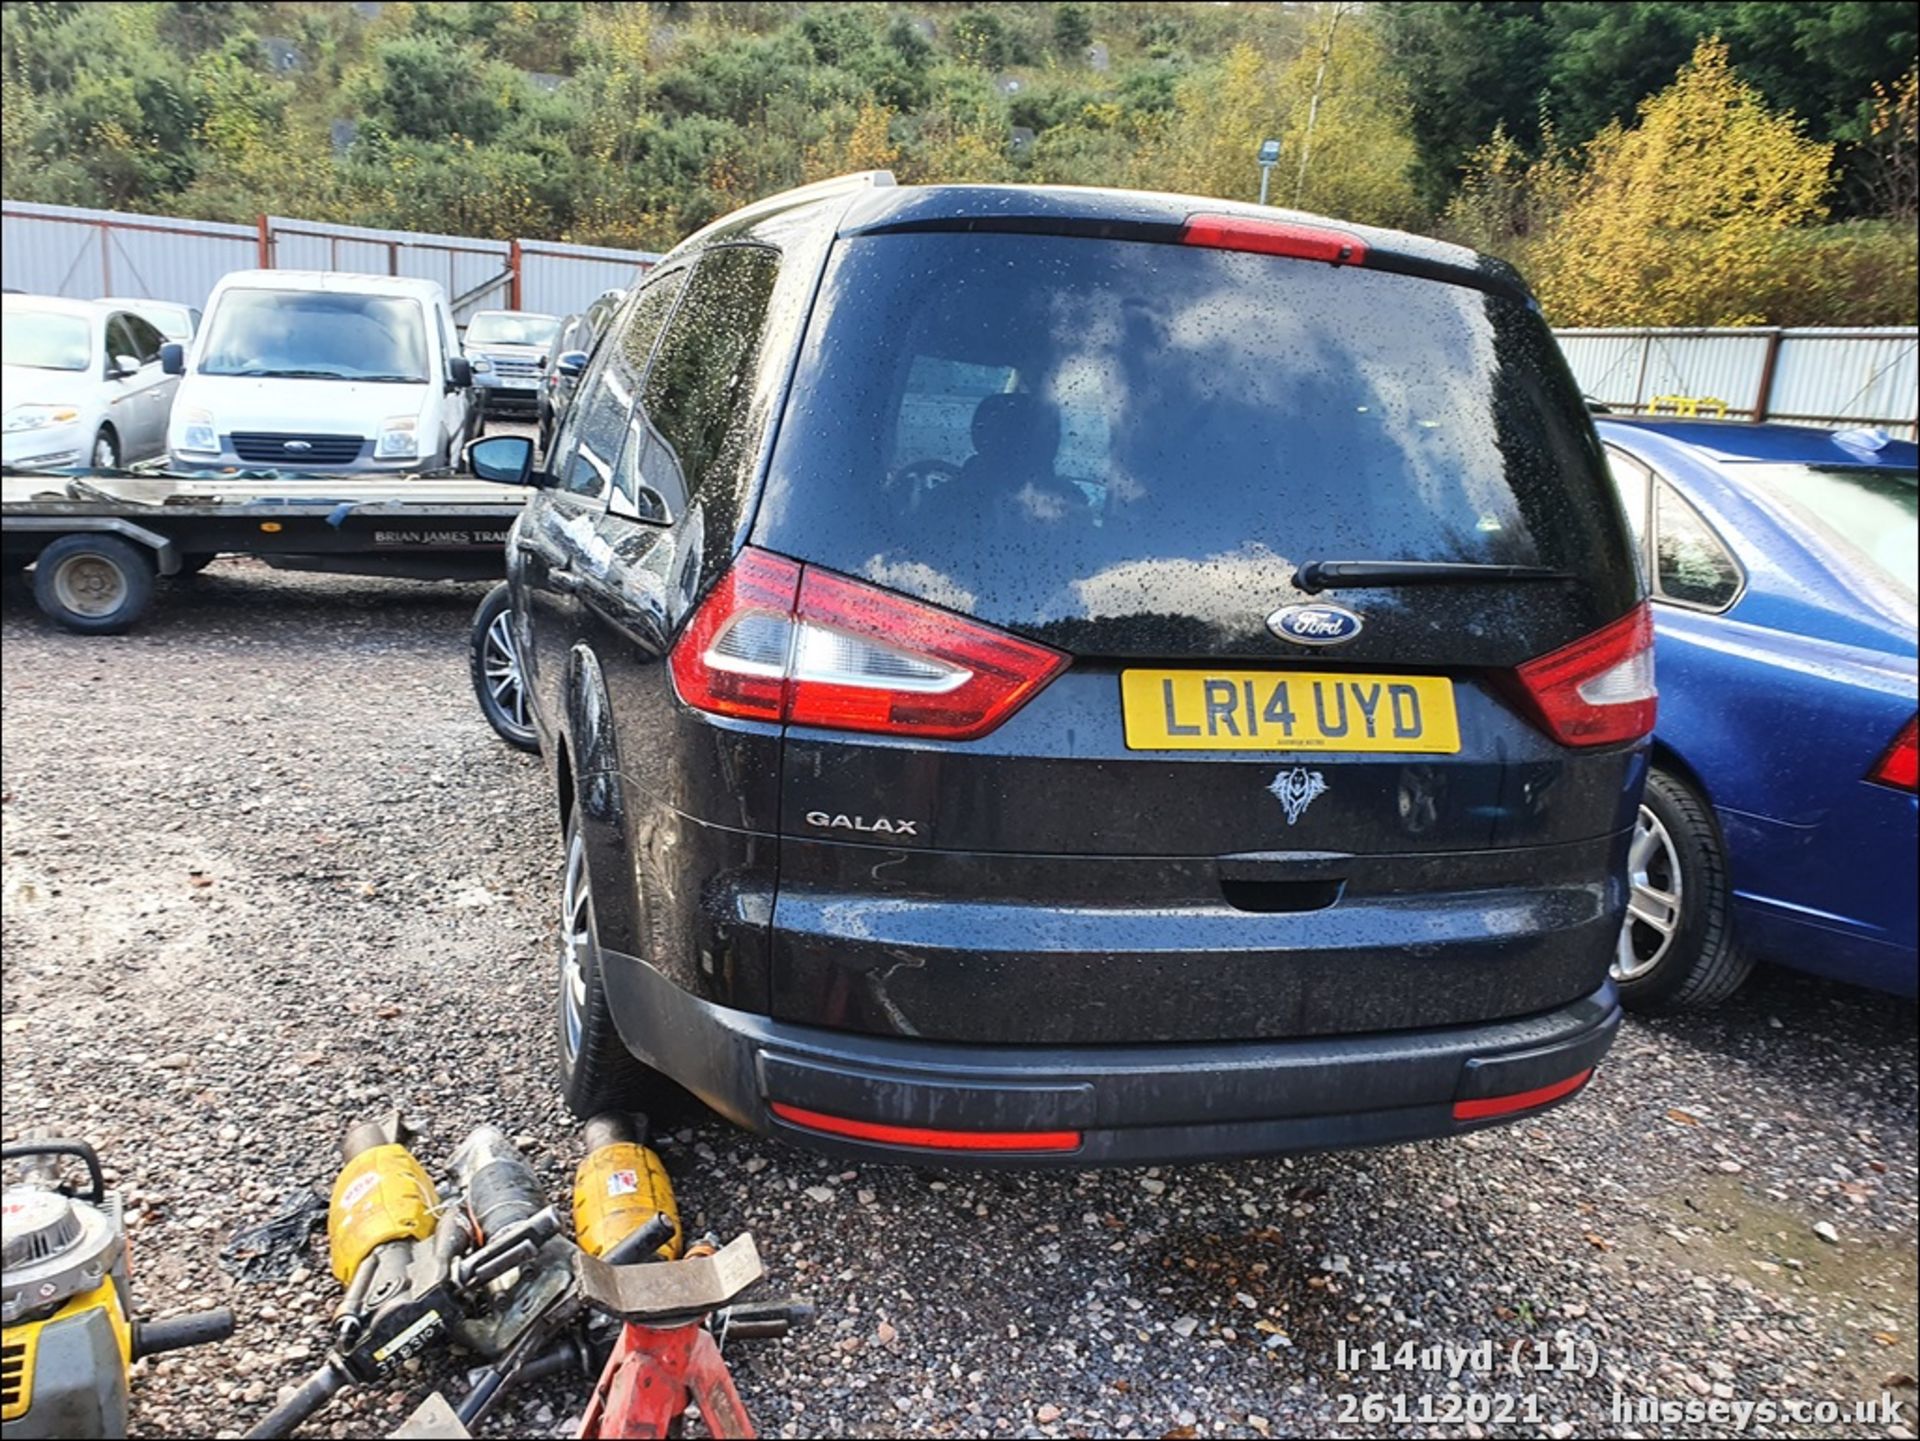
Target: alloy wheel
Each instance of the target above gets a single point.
(576, 935)
(500, 660)
(1653, 907)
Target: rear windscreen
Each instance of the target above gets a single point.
(1873, 512)
(1042, 428)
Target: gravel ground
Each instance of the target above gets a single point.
(266, 872)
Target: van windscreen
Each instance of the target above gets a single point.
(316, 335)
(1051, 432)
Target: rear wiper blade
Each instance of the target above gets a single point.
(1319, 575)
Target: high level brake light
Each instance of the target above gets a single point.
(1599, 690)
(777, 641)
(1275, 237)
(1899, 767)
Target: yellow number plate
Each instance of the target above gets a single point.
(1264, 710)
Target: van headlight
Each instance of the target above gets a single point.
(480, 365)
(39, 417)
(399, 438)
(197, 433)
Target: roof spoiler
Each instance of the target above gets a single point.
(788, 199)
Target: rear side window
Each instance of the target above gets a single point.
(1691, 564)
(146, 337)
(636, 342)
(696, 393)
(1038, 429)
(120, 339)
(588, 442)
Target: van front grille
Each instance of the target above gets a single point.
(274, 448)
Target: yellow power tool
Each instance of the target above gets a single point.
(620, 1187)
(69, 1335)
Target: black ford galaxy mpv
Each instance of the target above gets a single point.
(1066, 676)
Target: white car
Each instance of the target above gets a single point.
(175, 321)
(81, 383)
(320, 371)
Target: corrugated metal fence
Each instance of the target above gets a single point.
(1806, 376)
(1812, 377)
(64, 250)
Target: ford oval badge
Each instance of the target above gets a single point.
(1317, 624)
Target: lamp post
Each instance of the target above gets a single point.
(1269, 157)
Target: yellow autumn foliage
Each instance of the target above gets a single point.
(1688, 217)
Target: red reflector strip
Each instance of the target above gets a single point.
(1275, 237)
(1521, 1100)
(925, 1137)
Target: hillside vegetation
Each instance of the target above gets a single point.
(1674, 163)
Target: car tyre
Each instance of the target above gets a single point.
(499, 682)
(1678, 948)
(597, 1071)
(93, 584)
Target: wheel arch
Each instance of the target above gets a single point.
(1664, 757)
(593, 794)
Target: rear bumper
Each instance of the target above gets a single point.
(1127, 1104)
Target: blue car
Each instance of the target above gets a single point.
(1780, 815)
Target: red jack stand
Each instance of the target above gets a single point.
(651, 1378)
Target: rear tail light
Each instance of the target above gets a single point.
(776, 641)
(1275, 237)
(1599, 690)
(1900, 766)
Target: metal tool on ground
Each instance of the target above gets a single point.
(488, 1270)
(416, 1272)
(69, 1335)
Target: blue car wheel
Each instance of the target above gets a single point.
(1678, 947)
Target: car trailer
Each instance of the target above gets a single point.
(97, 542)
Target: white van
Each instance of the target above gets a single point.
(320, 371)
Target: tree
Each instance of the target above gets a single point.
(1508, 200)
(1348, 131)
(866, 144)
(1890, 168)
(1220, 116)
(1468, 69)
(432, 87)
(1683, 219)
(980, 37)
(1072, 30)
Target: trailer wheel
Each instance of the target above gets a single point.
(93, 584)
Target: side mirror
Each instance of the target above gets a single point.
(173, 358)
(502, 459)
(459, 372)
(571, 364)
(123, 366)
